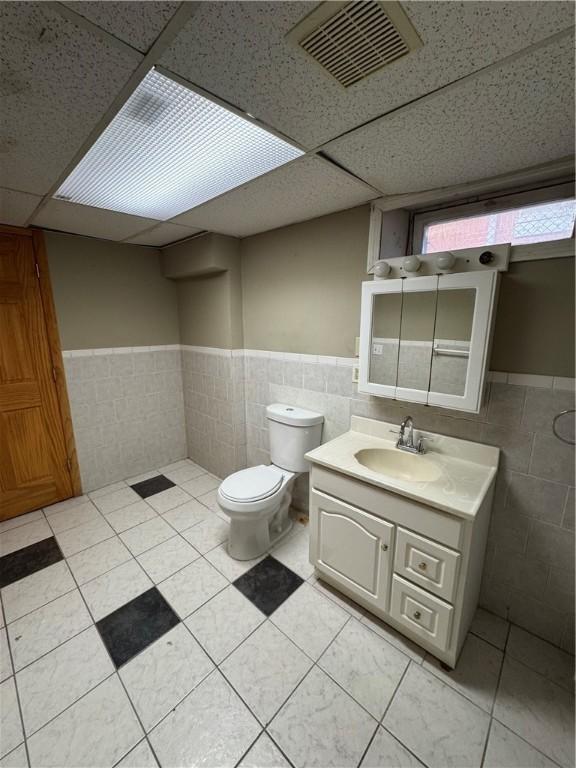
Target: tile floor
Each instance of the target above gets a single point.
(129, 637)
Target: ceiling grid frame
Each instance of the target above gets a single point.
(172, 31)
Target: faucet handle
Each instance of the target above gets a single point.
(421, 441)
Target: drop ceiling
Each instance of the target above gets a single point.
(304, 189)
(490, 91)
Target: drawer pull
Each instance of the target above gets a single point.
(422, 566)
(417, 614)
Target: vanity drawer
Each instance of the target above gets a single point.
(427, 563)
(423, 614)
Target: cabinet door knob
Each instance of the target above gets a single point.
(384, 547)
(417, 614)
(422, 566)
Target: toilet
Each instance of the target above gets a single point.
(257, 499)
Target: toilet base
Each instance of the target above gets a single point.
(252, 538)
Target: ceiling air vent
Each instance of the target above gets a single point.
(350, 40)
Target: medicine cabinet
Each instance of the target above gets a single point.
(426, 339)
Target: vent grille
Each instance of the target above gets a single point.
(360, 39)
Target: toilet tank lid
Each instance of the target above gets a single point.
(290, 414)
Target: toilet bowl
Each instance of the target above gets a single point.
(257, 499)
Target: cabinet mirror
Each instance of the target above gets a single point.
(385, 339)
(452, 335)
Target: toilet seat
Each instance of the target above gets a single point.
(252, 484)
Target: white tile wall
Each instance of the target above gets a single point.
(127, 410)
(214, 408)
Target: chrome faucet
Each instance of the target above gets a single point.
(405, 441)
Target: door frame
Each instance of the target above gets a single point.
(53, 336)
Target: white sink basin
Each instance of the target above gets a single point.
(402, 466)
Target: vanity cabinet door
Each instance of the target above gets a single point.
(353, 547)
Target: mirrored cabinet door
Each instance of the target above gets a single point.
(380, 320)
(464, 319)
(419, 298)
(452, 336)
(386, 319)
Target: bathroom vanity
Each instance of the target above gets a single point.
(403, 534)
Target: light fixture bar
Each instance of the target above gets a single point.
(170, 149)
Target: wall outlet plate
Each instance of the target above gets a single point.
(357, 346)
(355, 374)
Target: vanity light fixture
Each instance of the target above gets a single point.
(445, 261)
(411, 264)
(170, 149)
(380, 268)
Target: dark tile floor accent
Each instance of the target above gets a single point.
(153, 485)
(135, 626)
(268, 584)
(26, 561)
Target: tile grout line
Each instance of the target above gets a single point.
(525, 741)
(48, 602)
(487, 739)
(145, 739)
(386, 708)
(252, 744)
(279, 748)
(20, 712)
(494, 698)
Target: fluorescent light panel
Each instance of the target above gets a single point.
(170, 149)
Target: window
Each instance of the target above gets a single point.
(518, 226)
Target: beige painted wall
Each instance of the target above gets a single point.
(535, 319)
(301, 285)
(301, 288)
(209, 305)
(110, 294)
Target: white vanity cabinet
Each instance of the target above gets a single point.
(416, 567)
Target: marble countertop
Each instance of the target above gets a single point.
(466, 469)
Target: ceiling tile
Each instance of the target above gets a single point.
(511, 117)
(58, 81)
(239, 52)
(16, 207)
(85, 220)
(136, 23)
(163, 234)
(304, 189)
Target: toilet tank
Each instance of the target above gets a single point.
(293, 432)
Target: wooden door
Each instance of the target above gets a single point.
(37, 460)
